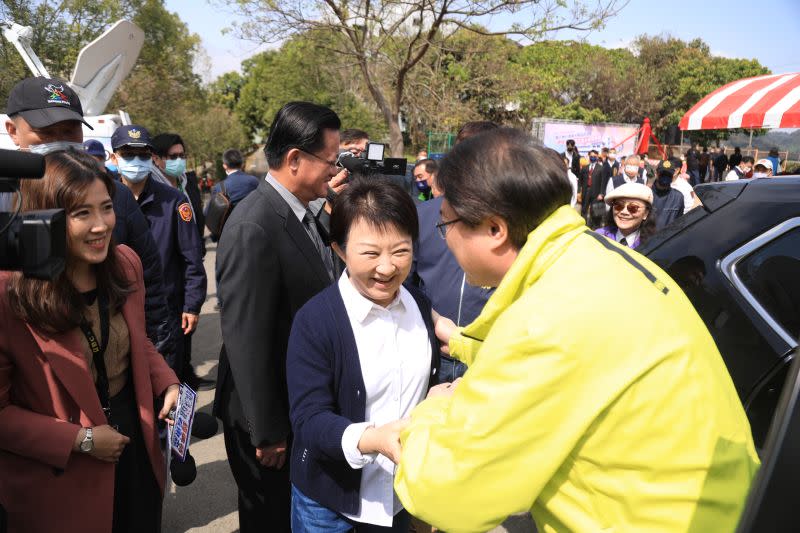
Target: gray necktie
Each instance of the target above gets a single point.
(324, 251)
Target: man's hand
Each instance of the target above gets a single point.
(189, 322)
(273, 456)
(337, 184)
(444, 328)
(443, 389)
(384, 440)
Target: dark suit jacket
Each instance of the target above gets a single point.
(575, 166)
(46, 395)
(193, 190)
(267, 268)
(598, 180)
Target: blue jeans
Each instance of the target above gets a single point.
(310, 517)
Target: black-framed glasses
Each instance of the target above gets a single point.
(331, 164)
(442, 226)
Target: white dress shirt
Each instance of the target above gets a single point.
(630, 239)
(686, 189)
(573, 181)
(395, 355)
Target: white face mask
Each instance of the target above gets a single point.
(56, 146)
(631, 170)
(759, 174)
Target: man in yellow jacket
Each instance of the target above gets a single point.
(590, 424)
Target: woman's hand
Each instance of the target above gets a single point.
(384, 440)
(444, 328)
(170, 402)
(108, 443)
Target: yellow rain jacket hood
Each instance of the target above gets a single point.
(619, 420)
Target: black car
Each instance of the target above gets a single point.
(738, 260)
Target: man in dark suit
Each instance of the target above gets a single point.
(271, 260)
(238, 184)
(592, 178)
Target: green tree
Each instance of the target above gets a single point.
(297, 71)
(385, 41)
(683, 72)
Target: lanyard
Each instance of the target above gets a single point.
(98, 354)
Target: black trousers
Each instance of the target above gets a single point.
(137, 498)
(264, 493)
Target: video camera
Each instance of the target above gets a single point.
(33, 242)
(372, 162)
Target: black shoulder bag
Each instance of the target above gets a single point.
(219, 209)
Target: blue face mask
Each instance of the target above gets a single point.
(422, 186)
(593, 159)
(111, 166)
(175, 167)
(135, 170)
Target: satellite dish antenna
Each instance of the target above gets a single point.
(104, 63)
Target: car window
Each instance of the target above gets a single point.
(772, 274)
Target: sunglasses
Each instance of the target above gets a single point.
(141, 156)
(632, 207)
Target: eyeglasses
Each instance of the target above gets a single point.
(173, 157)
(442, 226)
(331, 164)
(128, 154)
(632, 207)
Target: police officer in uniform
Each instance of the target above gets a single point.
(173, 228)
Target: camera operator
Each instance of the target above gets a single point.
(45, 115)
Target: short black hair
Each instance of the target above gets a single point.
(748, 159)
(474, 128)
(377, 201)
(164, 141)
(298, 125)
(570, 142)
(431, 166)
(593, 152)
(505, 173)
(232, 158)
(352, 135)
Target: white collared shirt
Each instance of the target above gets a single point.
(395, 356)
(630, 239)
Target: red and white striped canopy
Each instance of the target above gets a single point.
(771, 101)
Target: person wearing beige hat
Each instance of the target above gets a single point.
(628, 222)
(763, 169)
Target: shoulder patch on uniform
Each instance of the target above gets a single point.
(185, 210)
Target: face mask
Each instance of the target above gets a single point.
(612, 156)
(631, 169)
(593, 159)
(48, 148)
(112, 167)
(135, 170)
(569, 149)
(175, 167)
(759, 174)
(422, 186)
(665, 181)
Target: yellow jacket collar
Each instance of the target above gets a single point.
(545, 244)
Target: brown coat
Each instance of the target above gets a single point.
(46, 396)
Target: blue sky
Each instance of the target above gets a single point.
(767, 30)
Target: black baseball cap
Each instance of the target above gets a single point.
(131, 135)
(44, 101)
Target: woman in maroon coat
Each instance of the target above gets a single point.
(79, 448)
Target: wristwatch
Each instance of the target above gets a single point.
(87, 444)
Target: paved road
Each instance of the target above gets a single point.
(209, 504)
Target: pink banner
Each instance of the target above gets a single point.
(589, 137)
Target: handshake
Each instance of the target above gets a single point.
(385, 439)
